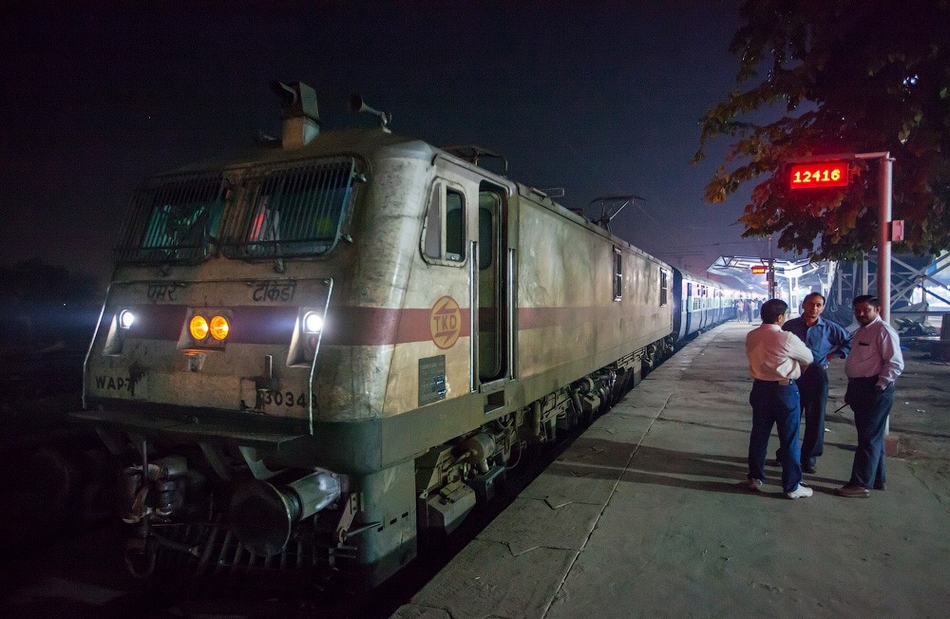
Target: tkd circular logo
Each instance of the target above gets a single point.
(445, 322)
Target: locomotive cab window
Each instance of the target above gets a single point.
(664, 288)
(618, 274)
(488, 207)
(173, 219)
(297, 210)
(443, 237)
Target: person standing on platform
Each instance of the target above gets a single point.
(872, 367)
(749, 307)
(826, 340)
(776, 360)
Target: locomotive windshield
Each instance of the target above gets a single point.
(286, 210)
(295, 210)
(173, 219)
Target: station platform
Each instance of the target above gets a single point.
(647, 513)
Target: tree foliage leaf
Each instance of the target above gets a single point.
(839, 76)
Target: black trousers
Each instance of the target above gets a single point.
(813, 391)
(871, 408)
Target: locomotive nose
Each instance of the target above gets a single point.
(262, 515)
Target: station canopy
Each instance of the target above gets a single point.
(793, 278)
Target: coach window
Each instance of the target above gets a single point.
(664, 288)
(443, 239)
(618, 274)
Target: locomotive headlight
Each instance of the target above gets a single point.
(219, 327)
(198, 327)
(126, 318)
(312, 323)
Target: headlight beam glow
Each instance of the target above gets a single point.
(312, 322)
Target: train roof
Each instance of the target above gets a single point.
(304, 139)
(357, 141)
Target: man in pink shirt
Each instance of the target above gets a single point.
(776, 359)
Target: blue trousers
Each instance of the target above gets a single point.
(778, 405)
(871, 408)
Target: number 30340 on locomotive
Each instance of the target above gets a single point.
(311, 353)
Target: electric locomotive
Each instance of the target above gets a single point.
(310, 353)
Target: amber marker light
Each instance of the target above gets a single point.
(219, 327)
(198, 327)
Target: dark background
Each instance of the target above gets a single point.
(597, 98)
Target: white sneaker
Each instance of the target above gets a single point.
(755, 484)
(801, 492)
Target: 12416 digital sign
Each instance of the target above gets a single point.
(818, 175)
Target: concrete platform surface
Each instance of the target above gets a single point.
(646, 514)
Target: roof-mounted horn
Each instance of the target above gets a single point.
(357, 105)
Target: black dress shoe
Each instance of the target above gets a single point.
(809, 468)
(879, 485)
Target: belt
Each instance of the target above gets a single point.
(783, 383)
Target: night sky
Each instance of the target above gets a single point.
(595, 98)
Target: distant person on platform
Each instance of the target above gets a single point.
(776, 359)
(826, 340)
(872, 367)
(749, 307)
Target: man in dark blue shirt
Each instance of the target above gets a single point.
(827, 340)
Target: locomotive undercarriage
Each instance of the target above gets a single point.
(215, 509)
(452, 478)
(209, 510)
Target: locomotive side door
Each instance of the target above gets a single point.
(490, 267)
(492, 259)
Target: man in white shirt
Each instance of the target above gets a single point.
(872, 367)
(776, 359)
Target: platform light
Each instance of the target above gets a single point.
(760, 269)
